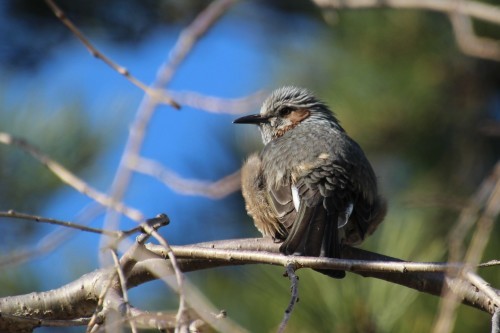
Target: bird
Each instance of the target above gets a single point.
(311, 188)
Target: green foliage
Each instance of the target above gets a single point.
(405, 93)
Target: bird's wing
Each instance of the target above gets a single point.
(313, 231)
(326, 193)
(297, 222)
(281, 202)
(368, 207)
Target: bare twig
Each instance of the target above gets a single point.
(189, 36)
(197, 301)
(69, 178)
(233, 106)
(123, 289)
(469, 42)
(182, 313)
(484, 225)
(490, 263)
(184, 45)
(71, 225)
(469, 215)
(132, 255)
(162, 321)
(294, 279)
(126, 264)
(51, 241)
(487, 197)
(157, 94)
(214, 190)
(475, 9)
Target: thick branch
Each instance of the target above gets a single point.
(76, 301)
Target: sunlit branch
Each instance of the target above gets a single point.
(218, 105)
(214, 190)
(470, 43)
(184, 45)
(475, 9)
(69, 178)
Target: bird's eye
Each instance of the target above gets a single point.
(285, 111)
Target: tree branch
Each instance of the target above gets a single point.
(158, 94)
(71, 179)
(77, 300)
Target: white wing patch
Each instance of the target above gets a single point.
(342, 221)
(295, 197)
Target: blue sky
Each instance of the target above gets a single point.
(233, 60)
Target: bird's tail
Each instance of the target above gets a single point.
(315, 234)
(331, 247)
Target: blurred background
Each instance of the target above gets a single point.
(426, 115)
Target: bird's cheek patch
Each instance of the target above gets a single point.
(299, 115)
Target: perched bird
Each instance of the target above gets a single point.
(311, 187)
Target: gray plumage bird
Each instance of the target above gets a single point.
(311, 187)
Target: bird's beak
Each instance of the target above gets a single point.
(251, 119)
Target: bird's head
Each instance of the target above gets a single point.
(285, 109)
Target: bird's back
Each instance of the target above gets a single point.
(327, 168)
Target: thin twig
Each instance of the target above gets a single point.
(294, 279)
(51, 241)
(69, 178)
(189, 36)
(71, 225)
(214, 190)
(123, 288)
(469, 215)
(486, 197)
(490, 263)
(196, 300)
(131, 256)
(126, 266)
(475, 9)
(95, 322)
(182, 311)
(156, 94)
(469, 42)
(233, 106)
(484, 226)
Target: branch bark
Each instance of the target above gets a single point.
(76, 302)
